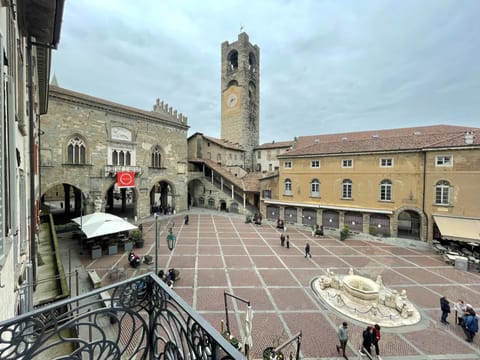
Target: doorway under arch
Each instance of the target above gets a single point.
(121, 202)
(64, 201)
(162, 198)
(409, 223)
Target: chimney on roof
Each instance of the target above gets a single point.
(375, 136)
(317, 141)
(469, 137)
(344, 139)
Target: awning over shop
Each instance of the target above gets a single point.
(459, 229)
(99, 224)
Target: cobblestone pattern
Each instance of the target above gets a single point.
(222, 253)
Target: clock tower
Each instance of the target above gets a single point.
(240, 89)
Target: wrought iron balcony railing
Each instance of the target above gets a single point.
(138, 318)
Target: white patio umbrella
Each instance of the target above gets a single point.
(95, 218)
(99, 224)
(248, 332)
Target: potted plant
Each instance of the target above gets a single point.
(96, 251)
(137, 237)
(112, 248)
(128, 245)
(269, 354)
(232, 339)
(344, 232)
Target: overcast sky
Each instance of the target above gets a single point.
(325, 66)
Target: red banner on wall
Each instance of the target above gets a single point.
(125, 179)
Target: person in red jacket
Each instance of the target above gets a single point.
(376, 338)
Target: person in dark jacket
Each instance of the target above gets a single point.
(470, 325)
(307, 250)
(368, 337)
(445, 307)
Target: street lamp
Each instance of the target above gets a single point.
(156, 243)
(171, 241)
(171, 238)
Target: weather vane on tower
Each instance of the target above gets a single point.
(241, 28)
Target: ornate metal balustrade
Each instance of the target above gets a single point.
(139, 318)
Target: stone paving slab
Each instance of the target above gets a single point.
(218, 252)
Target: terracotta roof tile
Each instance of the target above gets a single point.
(384, 140)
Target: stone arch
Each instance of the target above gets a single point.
(121, 202)
(273, 212)
(232, 59)
(252, 62)
(211, 203)
(222, 205)
(290, 214)
(410, 223)
(234, 207)
(309, 217)
(331, 218)
(196, 191)
(64, 200)
(232, 83)
(162, 197)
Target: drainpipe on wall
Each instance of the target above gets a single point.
(31, 119)
(423, 192)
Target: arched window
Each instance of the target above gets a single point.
(287, 187)
(156, 158)
(233, 60)
(76, 151)
(347, 189)
(315, 188)
(386, 190)
(121, 157)
(442, 193)
(252, 62)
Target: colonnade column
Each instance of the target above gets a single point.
(66, 190)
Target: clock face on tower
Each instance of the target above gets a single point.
(232, 100)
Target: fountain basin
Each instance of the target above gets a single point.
(360, 287)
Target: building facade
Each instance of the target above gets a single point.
(266, 155)
(88, 142)
(385, 182)
(29, 31)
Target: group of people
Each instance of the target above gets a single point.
(371, 337)
(169, 278)
(284, 240)
(466, 317)
(134, 259)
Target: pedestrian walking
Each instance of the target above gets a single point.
(288, 242)
(367, 336)
(470, 325)
(376, 338)
(445, 307)
(460, 309)
(343, 338)
(282, 239)
(307, 250)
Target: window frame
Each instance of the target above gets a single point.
(386, 190)
(287, 165)
(315, 164)
(315, 188)
(382, 165)
(347, 187)
(347, 163)
(287, 187)
(443, 163)
(442, 190)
